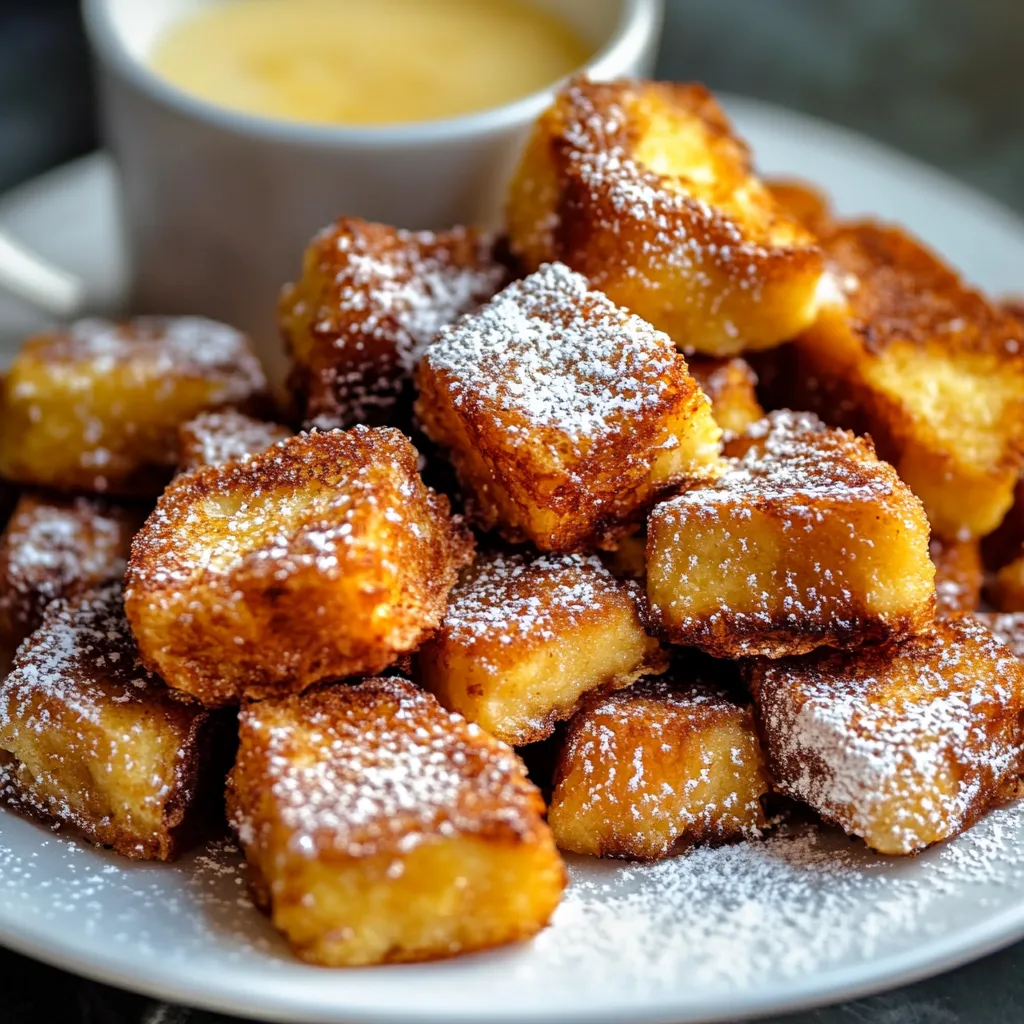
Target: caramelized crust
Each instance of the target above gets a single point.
(731, 386)
(807, 540)
(525, 638)
(370, 300)
(903, 746)
(96, 406)
(564, 415)
(804, 202)
(213, 438)
(92, 740)
(644, 188)
(958, 574)
(57, 547)
(321, 558)
(928, 366)
(379, 828)
(649, 771)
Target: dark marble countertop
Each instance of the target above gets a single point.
(936, 78)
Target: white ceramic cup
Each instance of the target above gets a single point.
(218, 205)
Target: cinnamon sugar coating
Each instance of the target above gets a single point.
(903, 745)
(213, 438)
(91, 739)
(926, 365)
(96, 406)
(526, 637)
(371, 298)
(381, 828)
(644, 188)
(806, 540)
(649, 771)
(565, 416)
(320, 558)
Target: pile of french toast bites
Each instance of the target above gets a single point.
(602, 557)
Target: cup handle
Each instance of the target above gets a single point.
(38, 281)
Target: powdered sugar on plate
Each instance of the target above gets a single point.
(716, 927)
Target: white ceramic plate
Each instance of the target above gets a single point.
(713, 936)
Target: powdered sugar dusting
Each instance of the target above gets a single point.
(553, 354)
(371, 299)
(516, 599)
(902, 748)
(1006, 627)
(53, 547)
(155, 347)
(213, 438)
(732, 926)
(372, 768)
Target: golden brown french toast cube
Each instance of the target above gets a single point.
(1007, 627)
(929, 367)
(370, 299)
(380, 828)
(644, 188)
(564, 415)
(649, 771)
(731, 387)
(959, 574)
(807, 540)
(903, 745)
(804, 202)
(526, 638)
(320, 558)
(96, 406)
(56, 547)
(226, 435)
(93, 740)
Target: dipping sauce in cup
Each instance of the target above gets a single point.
(367, 62)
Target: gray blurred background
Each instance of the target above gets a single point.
(939, 79)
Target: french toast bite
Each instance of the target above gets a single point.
(731, 387)
(369, 301)
(320, 558)
(959, 574)
(903, 745)
(647, 772)
(644, 188)
(525, 638)
(564, 415)
(96, 406)
(213, 438)
(57, 547)
(379, 828)
(927, 366)
(807, 540)
(93, 740)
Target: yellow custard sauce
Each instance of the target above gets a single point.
(367, 62)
